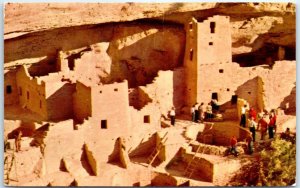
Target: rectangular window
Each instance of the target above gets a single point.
(71, 64)
(234, 99)
(8, 89)
(212, 27)
(221, 70)
(147, 119)
(211, 43)
(103, 124)
(116, 89)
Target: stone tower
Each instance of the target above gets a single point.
(208, 50)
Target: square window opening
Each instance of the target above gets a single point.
(211, 43)
(221, 70)
(214, 96)
(116, 89)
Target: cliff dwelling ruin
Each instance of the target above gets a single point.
(91, 90)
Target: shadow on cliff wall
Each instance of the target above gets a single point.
(289, 103)
(140, 56)
(265, 47)
(46, 43)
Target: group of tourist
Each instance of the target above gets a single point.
(265, 125)
(199, 113)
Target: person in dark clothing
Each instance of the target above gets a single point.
(193, 113)
(249, 144)
(243, 116)
(252, 125)
(196, 112)
(272, 125)
(214, 105)
(172, 116)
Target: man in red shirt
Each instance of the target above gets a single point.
(233, 143)
(262, 123)
(252, 113)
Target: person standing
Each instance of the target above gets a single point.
(249, 144)
(252, 113)
(252, 125)
(233, 144)
(196, 112)
(18, 139)
(272, 125)
(262, 123)
(209, 113)
(193, 113)
(243, 116)
(172, 115)
(201, 112)
(215, 105)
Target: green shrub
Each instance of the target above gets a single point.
(278, 164)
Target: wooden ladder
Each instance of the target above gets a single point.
(191, 167)
(157, 149)
(9, 160)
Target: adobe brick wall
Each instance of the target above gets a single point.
(33, 92)
(82, 104)
(10, 81)
(111, 103)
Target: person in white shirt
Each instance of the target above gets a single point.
(172, 115)
(209, 113)
(193, 113)
(201, 112)
(252, 127)
(243, 116)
